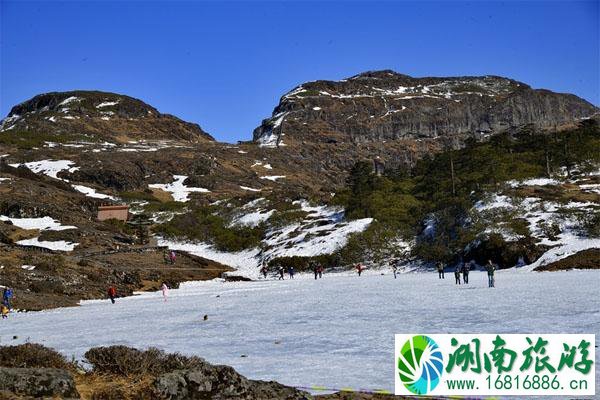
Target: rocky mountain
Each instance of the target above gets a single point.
(385, 106)
(99, 115)
(280, 196)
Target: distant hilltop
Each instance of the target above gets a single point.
(102, 114)
(385, 105)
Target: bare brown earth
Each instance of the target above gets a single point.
(586, 259)
(63, 280)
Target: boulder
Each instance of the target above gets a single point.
(38, 382)
(220, 383)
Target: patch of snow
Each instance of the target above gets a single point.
(49, 167)
(91, 192)
(42, 223)
(569, 244)
(594, 188)
(272, 177)
(28, 267)
(534, 182)
(495, 201)
(317, 108)
(11, 120)
(252, 219)
(250, 189)
(242, 152)
(68, 117)
(107, 104)
(178, 190)
(245, 262)
(59, 245)
(69, 100)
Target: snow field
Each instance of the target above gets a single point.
(336, 332)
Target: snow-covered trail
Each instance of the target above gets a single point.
(337, 331)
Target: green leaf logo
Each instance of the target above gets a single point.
(420, 364)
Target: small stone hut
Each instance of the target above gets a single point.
(120, 212)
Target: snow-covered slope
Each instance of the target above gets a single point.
(322, 231)
(553, 223)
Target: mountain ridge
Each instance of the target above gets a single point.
(104, 114)
(385, 105)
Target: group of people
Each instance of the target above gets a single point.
(464, 268)
(315, 267)
(291, 271)
(7, 295)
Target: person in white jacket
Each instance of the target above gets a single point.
(165, 291)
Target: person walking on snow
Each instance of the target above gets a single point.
(172, 256)
(165, 291)
(7, 294)
(457, 274)
(359, 269)
(491, 270)
(320, 270)
(291, 272)
(395, 267)
(4, 311)
(315, 269)
(465, 272)
(112, 293)
(263, 271)
(440, 270)
(280, 269)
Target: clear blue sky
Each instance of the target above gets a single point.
(225, 65)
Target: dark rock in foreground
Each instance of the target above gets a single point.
(38, 382)
(220, 383)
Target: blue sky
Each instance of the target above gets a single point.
(225, 65)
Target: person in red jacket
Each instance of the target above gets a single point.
(112, 293)
(359, 268)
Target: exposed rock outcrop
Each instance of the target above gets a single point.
(385, 105)
(220, 382)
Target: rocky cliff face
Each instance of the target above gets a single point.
(99, 114)
(385, 105)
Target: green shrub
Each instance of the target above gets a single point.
(173, 206)
(203, 224)
(138, 196)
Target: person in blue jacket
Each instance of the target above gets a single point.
(7, 294)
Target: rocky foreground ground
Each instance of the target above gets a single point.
(117, 372)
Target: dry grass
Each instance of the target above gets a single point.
(161, 195)
(125, 361)
(587, 259)
(32, 355)
(110, 387)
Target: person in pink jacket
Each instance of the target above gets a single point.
(165, 291)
